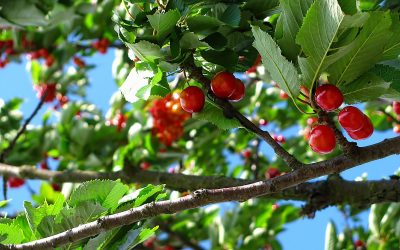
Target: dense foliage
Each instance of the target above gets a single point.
(284, 54)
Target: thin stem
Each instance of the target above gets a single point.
(12, 144)
(127, 10)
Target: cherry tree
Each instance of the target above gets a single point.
(200, 83)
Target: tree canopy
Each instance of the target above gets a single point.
(205, 89)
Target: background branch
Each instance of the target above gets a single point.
(20, 132)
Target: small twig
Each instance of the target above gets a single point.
(12, 144)
(127, 10)
(231, 112)
(389, 115)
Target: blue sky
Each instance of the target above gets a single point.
(302, 234)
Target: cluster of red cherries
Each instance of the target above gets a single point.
(42, 53)
(224, 85)
(119, 121)
(168, 118)
(6, 47)
(396, 109)
(152, 243)
(358, 126)
(101, 45)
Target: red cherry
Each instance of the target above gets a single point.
(56, 187)
(263, 122)
(43, 165)
(145, 165)
(120, 121)
(79, 62)
(351, 118)
(358, 243)
(283, 95)
(43, 53)
(238, 93)
(9, 51)
(246, 153)
(15, 182)
(322, 139)
(396, 107)
(169, 247)
(272, 173)
(365, 132)
(50, 89)
(328, 97)
(311, 121)
(63, 99)
(192, 99)
(149, 243)
(275, 206)
(279, 138)
(396, 128)
(49, 61)
(223, 84)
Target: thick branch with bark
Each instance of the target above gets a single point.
(209, 196)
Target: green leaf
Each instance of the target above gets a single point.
(367, 50)
(133, 86)
(203, 24)
(36, 70)
(262, 7)
(282, 71)
(231, 15)
(22, 12)
(136, 236)
(330, 236)
(164, 23)
(215, 115)
(348, 6)
(10, 234)
(146, 51)
(36, 215)
(105, 192)
(216, 40)
(392, 48)
(190, 40)
(389, 74)
(367, 88)
(146, 193)
(226, 58)
(316, 35)
(84, 212)
(288, 26)
(4, 203)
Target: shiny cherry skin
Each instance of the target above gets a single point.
(192, 99)
(238, 93)
(322, 139)
(396, 107)
(351, 118)
(272, 173)
(396, 128)
(328, 97)
(366, 131)
(15, 182)
(50, 89)
(223, 84)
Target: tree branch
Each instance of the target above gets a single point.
(20, 132)
(229, 111)
(304, 191)
(209, 196)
